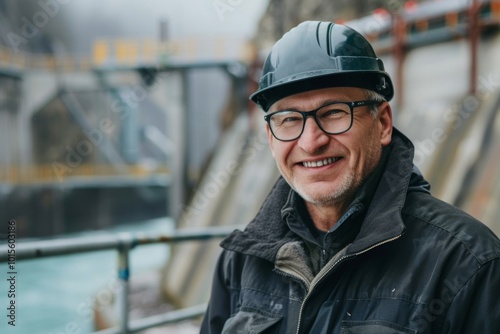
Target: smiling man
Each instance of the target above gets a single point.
(349, 240)
(327, 170)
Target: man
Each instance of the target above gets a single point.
(349, 240)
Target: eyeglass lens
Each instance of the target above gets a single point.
(333, 118)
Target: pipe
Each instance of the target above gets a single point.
(474, 39)
(399, 49)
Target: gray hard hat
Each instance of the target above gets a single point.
(317, 55)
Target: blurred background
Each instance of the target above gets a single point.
(121, 116)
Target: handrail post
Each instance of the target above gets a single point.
(124, 276)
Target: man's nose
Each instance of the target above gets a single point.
(312, 138)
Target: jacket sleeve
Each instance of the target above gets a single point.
(218, 310)
(476, 307)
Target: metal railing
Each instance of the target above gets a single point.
(57, 172)
(124, 243)
(131, 53)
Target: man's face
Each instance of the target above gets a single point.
(347, 158)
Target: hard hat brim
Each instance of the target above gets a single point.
(377, 81)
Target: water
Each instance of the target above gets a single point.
(55, 295)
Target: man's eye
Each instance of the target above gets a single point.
(290, 119)
(287, 119)
(334, 113)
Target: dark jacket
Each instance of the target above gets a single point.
(414, 264)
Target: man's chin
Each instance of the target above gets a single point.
(319, 197)
(326, 194)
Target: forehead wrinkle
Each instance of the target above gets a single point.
(328, 101)
(315, 99)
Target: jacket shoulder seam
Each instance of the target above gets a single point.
(480, 263)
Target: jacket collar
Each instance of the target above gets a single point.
(267, 232)
(383, 220)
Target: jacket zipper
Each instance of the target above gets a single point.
(311, 288)
(297, 279)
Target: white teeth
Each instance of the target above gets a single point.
(320, 163)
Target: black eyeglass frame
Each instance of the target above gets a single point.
(312, 113)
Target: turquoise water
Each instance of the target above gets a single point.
(55, 295)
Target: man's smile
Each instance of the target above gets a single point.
(320, 163)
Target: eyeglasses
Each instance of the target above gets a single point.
(333, 118)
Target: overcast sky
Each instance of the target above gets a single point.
(92, 19)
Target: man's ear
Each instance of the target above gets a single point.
(385, 122)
